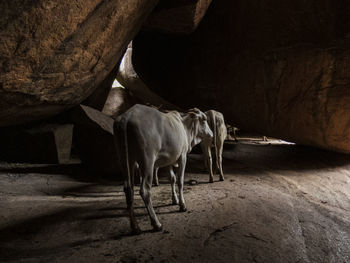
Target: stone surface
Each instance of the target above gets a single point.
(128, 77)
(44, 143)
(53, 55)
(279, 203)
(280, 68)
(89, 117)
(119, 100)
(94, 140)
(98, 98)
(179, 16)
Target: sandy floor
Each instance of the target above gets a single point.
(279, 203)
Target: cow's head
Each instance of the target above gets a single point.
(200, 128)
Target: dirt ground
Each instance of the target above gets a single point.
(279, 203)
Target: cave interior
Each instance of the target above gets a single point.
(278, 71)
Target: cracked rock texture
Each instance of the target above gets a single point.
(279, 203)
(280, 68)
(53, 55)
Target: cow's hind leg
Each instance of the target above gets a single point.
(156, 181)
(181, 173)
(145, 192)
(174, 197)
(219, 160)
(129, 194)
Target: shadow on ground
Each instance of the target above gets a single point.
(279, 203)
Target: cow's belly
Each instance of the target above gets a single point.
(173, 144)
(167, 158)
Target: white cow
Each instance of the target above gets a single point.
(217, 125)
(147, 139)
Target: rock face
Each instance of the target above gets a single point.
(118, 101)
(280, 68)
(53, 55)
(130, 80)
(177, 16)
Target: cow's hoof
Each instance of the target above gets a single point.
(222, 179)
(175, 202)
(157, 228)
(183, 208)
(211, 181)
(136, 231)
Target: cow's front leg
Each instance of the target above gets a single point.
(181, 172)
(174, 197)
(145, 192)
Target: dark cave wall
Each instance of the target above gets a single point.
(280, 68)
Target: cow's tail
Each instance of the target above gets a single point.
(120, 131)
(215, 132)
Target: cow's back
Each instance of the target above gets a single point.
(153, 134)
(142, 127)
(217, 123)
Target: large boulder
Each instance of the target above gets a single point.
(130, 80)
(177, 16)
(280, 68)
(119, 100)
(54, 54)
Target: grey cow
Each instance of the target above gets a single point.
(217, 125)
(147, 139)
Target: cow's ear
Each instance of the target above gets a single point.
(193, 115)
(196, 110)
